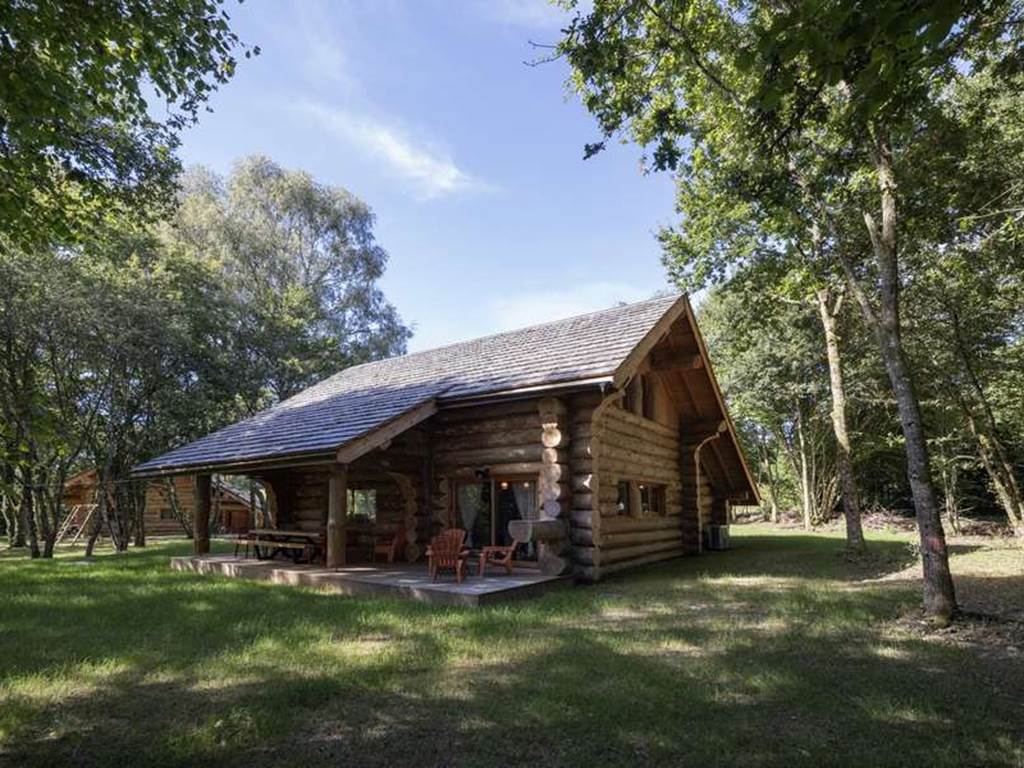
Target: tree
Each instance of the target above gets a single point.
(771, 368)
(301, 263)
(830, 98)
(78, 136)
(134, 341)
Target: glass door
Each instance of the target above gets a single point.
(473, 511)
(484, 510)
(515, 499)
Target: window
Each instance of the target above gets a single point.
(362, 504)
(624, 503)
(652, 499)
(647, 396)
(166, 513)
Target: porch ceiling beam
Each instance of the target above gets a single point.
(676, 360)
(386, 433)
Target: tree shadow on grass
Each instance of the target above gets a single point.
(663, 688)
(692, 663)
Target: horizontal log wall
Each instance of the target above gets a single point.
(309, 497)
(158, 519)
(633, 448)
(502, 439)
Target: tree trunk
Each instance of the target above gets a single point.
(844, 459)
(766, 460)
(137, 494)
(939, 594)
(12, 510)
(949, 491)
(28, 512)
(1005, 489)
(991, 450)
(172, 500)
(805, 480)
(96, 521)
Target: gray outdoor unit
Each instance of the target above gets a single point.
(716, 537)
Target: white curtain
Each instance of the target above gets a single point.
(526, 500)
(468, 499)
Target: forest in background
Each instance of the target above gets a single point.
(828, 155)
(142, 305)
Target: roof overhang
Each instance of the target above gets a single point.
(242, 467)
(629, 366)
(525, 393)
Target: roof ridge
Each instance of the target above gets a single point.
(546, 323)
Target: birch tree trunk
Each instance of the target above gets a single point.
(805, 480)
(1004, 484)
(766, 461)
(27, 512)
(991, 450)
(844, 460)
(939, 593)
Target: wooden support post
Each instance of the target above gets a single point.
(201, 515)
(337, 513)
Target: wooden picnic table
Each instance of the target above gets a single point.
(268, 543)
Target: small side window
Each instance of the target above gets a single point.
(652, 499)
(623, 504)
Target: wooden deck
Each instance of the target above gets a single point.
(399, 580)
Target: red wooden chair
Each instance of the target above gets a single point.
(499, 556)
(446, 551)
(389, 545)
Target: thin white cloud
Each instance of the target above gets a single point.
(321, 49)
(430, 171)
(528, 307)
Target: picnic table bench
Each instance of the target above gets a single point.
(268, 543)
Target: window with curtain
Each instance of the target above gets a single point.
(362, 504)
(623, 503)
(652, 499)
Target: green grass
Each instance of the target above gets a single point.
(779, 652)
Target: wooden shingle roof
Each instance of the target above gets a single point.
(365, 398)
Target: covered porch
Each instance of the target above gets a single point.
(404, 580)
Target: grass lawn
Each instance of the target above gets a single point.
(779, 652)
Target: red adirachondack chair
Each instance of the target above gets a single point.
(499, 556)
(446, 552)
(388, 545)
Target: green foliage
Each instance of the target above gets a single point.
(299, 267)
(140, 340)
(92, 98)
(777, 121)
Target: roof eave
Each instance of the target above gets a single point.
(242, 467)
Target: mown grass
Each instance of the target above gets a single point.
(779, 652)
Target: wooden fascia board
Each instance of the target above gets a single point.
(699, 337)
(629, 366)
(386, 432)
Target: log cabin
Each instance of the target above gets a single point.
(596, 443)
(231, 507)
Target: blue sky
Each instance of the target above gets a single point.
(471, 160)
